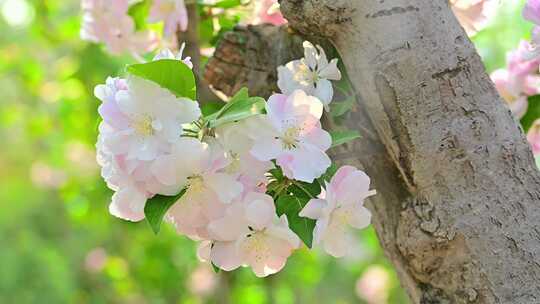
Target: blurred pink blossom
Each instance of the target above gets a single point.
(95, 260)
(519, 80)
(533, 136)
(473, 14)
(108, 22)
(373, 286)
(172, 12)
(267, 11)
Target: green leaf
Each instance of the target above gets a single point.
(533, 112)
(339, 108)
(216, 269)
(226, 3)
(291, 205)
(327, 176)
(241, 106)
(305, 190)
(139, 13)
(170, 74)
(156, 207)
(209, 108)
(341, 137)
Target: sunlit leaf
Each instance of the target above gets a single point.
(139, 12)
(170, 74)
(241, 106)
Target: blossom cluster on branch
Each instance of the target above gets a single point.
(249, 181)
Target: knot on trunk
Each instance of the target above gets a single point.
(318, 17)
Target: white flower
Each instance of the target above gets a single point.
(168, 54)
(237, 139)
(267, 247)
(293, 136)
(342, 207)
(131, 180)
(154, 118)
(195, 166)
(250, 233)
(310, 74)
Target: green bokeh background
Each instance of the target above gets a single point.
(58, 242)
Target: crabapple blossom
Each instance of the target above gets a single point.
(531, 12)
(312, 74)
(533, 136)
(518, 81)
(267, 11)
(172, 12)
(195, 166)
(473, 15)
(168, 54)
(130, 179)
(294, 137)
(505, 85)
(108, 22)
(266, 248)
(250, 233)
(341, 207)
(149, 119)
(237, 139)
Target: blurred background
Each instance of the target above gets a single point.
(59, 243)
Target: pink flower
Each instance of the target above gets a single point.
(267, 11)
(131, 180)
(507, 87)
(294, 137)
(531, 11)
(108, 22)
(250, 233)
(172, 12)
(143, 129)
(519, 80)
(195, 166)
(533, 136)
(237, 139)
(342, 207)
(473, 14)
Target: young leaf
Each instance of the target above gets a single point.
(241, 106)
(327, 176)
(341, 137)
(156, 207)
(306, 190)
(339, 108)
(139, 13)
(533, 112)
(170, 74)
(216, 269)
(290, 206)
(210, 108)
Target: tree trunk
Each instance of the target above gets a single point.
(458, 191)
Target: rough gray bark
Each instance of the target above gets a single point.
(457, 210)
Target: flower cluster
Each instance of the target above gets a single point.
(246, 181)
(114, 23)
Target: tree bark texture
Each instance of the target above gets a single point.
(457, 210)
